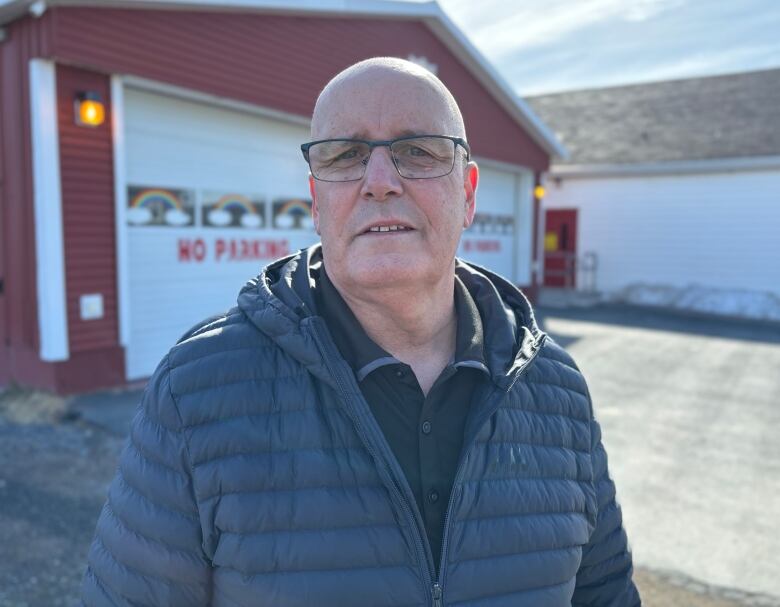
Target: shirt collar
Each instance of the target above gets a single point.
(364, 355)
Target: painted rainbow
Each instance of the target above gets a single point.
(146, 197)
(294, 206)
(235, 201)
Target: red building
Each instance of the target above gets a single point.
(117, 236)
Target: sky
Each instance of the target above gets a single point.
(546, 46)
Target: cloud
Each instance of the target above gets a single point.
(139, 216)
(285, 220)
(175, 217)
(220, 217)
(538, 22)
(307, 223)
(251, 220)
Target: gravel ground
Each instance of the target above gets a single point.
(54, 472)
(53, 480)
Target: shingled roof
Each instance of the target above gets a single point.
(732, 116)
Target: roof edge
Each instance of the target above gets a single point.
(671, 167)
(475, 62)
(10, 10)
(13, 9)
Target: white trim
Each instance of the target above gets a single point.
(171, 90)
(336, 7)
(678, 167)
(47, 200)
(10, 9)
(516, 206)
(37, 8)
(541, 227)
(120, 208)
(13, 9)
(524, 184)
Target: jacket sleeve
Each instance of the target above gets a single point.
(604, 577)
(147, 545)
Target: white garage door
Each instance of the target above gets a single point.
(501, 237)
(212, 196)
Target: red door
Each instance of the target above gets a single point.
(560, 248)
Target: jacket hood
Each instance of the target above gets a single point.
(279, 302)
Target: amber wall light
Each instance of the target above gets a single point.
(89, 109)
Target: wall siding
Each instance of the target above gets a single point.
(26, 38)
(716, 230)
(96, 360)
(276, 61)
(87, 169)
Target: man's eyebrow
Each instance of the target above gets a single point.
(403, 133)
(411, 133)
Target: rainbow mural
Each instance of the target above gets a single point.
(147, 198)
(235, 201)
(232, 210)
(159, 207)
(292, 214)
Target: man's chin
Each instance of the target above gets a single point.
(378, 271)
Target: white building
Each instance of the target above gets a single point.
(670, 194)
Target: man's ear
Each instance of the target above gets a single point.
(470, 181)
(315, 209)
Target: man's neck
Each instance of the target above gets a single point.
(416, 325)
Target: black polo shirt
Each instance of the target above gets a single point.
(424, 433)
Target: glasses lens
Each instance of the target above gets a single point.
(424, 157)
(338, 160)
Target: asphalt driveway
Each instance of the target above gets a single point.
(690, 410)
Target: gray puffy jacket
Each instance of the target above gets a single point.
(256, 475)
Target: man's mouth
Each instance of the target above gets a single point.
(390, 228)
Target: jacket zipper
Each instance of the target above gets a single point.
(438, 586)
(397, 492)
(436, 595)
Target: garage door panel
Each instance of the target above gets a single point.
(499, 239)
(194, 153)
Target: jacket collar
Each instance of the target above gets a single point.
(280, 303)
(364, 355)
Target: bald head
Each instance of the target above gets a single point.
(381, 100)
(380, 82)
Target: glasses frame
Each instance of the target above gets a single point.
(378, 143)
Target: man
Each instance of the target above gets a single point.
(376, 423)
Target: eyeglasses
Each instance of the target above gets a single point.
(414, 157)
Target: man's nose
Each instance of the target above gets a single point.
(381, 179)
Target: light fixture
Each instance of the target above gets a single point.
(539, 192)
(89, 109)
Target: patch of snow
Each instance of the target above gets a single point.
(744, 303)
